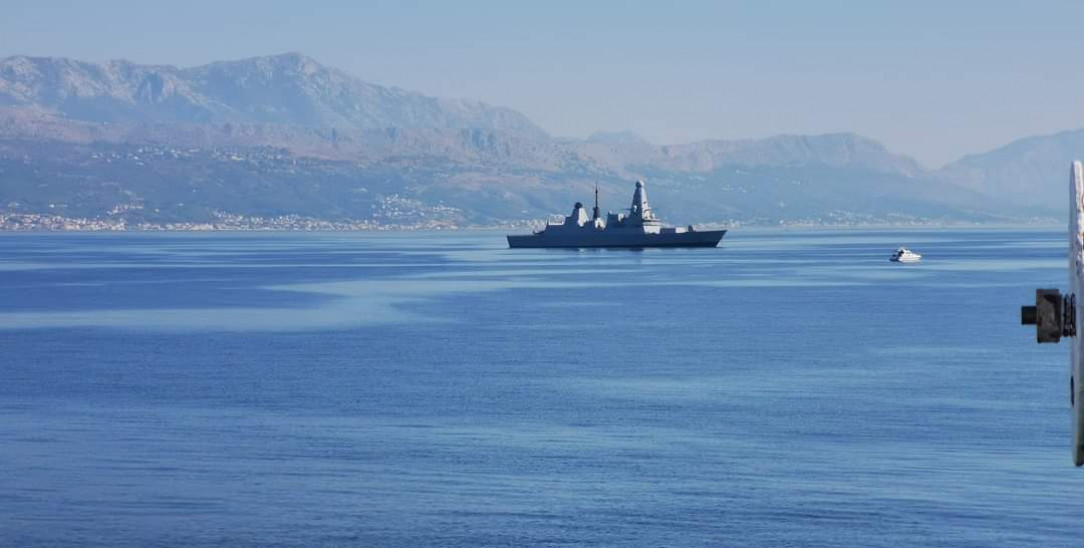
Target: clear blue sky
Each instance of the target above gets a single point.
(935, 80)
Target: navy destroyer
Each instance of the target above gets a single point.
(638, 228)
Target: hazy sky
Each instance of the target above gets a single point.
(935, 80)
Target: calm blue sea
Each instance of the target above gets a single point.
(791, 388)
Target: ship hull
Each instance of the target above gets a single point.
(706, 238)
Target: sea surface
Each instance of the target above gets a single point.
(790, 388)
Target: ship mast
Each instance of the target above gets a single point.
(596, 200)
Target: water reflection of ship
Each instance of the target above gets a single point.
(640, 227)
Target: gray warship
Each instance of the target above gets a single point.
(639, 228)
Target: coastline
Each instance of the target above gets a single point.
(66, 225)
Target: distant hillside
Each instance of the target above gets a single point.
(288, 89)
(843, 150)
(1030, 172)
(468, 184)
(285, 137)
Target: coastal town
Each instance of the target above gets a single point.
(16, 222)
(46, 222)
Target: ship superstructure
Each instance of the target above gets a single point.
(637, 228)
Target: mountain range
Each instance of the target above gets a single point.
(284, 137)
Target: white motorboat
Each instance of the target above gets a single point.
(904, 255)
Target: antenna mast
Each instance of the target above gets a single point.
(596, 199)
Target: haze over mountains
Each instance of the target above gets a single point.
(284, 137)
(288, 89)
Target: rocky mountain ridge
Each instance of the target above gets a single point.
(283, 136)
(289, 89)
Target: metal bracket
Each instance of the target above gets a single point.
(1054, 315)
